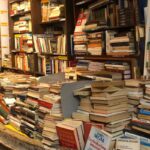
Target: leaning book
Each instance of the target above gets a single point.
(98, 140)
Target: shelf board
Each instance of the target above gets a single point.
(110, 28)
(22, 52)
(52, 54)
(105, 57)
(54, 21)
(83, 2)
(16, 69)
(15, 1)
(22, 32)
(21, 13)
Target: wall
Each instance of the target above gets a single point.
(4, 28)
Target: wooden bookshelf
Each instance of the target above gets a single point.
(35, 28)
(110, 26)
(38, 27)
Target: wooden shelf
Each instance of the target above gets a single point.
(110, 28)
(28, 32)
(54, 21)
(21, 13)
(105, 57)
(15, 1)
(22, 52)
(53, 54)
(83, 2)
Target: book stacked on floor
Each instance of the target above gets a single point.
(80, 37)
(4, 110)
(135, 94)
(71, 134)
(110, 106)
(85, 106)
(143, 122)
(120, 43)
(50, 137)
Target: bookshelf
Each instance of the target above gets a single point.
(23, 22)
(114, 21)
(39, 32)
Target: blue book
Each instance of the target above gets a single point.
(144, 112)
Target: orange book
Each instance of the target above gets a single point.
(68, 136)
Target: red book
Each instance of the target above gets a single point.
(68, 136)
(88, 126)
(43, 103)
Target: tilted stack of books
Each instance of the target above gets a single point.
(135, 94)
(85, 106)
(110, 106)
(50, 137)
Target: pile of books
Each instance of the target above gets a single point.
(85, 105)
(4, 110)
(23, 25)
(52, 10)
(110, 106)
(19, 7)
(95, 43)
(135, 94)
(122, 67)
(120, 43)
(142, 123)
(50, 138)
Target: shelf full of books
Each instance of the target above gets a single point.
(105, 30)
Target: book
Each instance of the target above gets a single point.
(125, 143)
(98, 139)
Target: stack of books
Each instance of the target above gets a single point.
(135, 94)
(85, 105)
(142, 123)
(20, 7)
(23, 25)
(71, 134)
(110, 106)
(120, 43)
(122, 67)
(50, 138)
(95, 43)
(96, 66)
(4, 110)
(52, 10)
(80, 37)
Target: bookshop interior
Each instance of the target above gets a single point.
(74, 74)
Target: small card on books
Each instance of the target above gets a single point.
(125, 143)
(98, 140)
